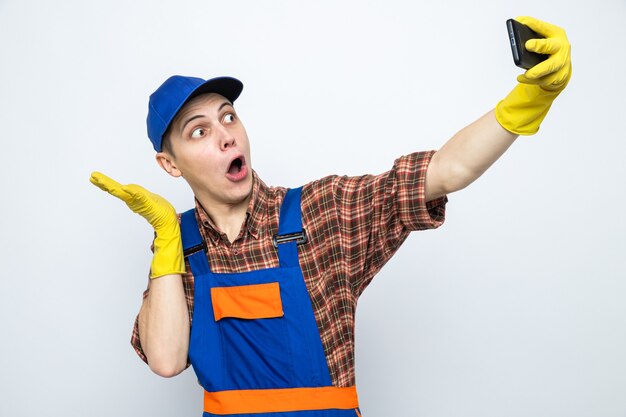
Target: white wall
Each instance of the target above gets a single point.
(516, 306)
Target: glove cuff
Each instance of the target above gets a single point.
(523, 110)
(168, 253)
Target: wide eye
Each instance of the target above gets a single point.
(198, 132)
(229, 118)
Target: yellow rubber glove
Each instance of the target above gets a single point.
(168, 249)
(523, 110)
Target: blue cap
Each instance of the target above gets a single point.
(168, 99)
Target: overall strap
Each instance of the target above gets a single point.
(290, 231)
(194, 247)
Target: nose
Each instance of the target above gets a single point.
(226, 139)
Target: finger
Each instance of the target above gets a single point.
(535, 81)
(142, 201)
(522, 79)
(137, 192)
(549, 82)
(548, 46)
(154, 208)
(543, 28)
(109, 185)
(549, 66)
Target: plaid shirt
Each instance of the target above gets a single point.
(354, 226)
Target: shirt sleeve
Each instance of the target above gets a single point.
(188, 289)
(376, 213)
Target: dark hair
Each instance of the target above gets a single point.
(166, 142)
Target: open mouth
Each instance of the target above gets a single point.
(237, 169)
(235, 166)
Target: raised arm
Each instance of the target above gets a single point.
(476, 147)
(164, 318)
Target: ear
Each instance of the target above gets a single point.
(167, 162)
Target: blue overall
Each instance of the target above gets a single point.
(262, 353)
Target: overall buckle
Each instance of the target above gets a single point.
(194, 249)
(299, 237)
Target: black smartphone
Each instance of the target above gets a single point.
(518, 35)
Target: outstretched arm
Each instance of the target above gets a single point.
(475, 148)
(466, 156)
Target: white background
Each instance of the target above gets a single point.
(516, 306)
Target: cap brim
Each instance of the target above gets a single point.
(228, 87)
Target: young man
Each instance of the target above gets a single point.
(269, 277)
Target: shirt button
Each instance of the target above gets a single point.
(236, 252)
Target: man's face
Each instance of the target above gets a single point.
(211, 151)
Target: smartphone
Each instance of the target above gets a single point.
(518, 35)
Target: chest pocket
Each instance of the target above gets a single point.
(256, 301)
(254, 339)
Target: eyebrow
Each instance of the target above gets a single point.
(197, 116)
